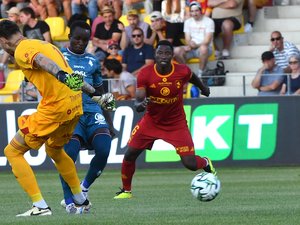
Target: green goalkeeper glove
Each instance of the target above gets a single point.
(74, 81)
(106, 101)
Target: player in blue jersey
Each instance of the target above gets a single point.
(94, 129)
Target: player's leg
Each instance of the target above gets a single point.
(183, 142)
(14, 152)
(101, 142)
(127, 171)
(72, 148)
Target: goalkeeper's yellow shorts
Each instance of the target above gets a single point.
(37, 130)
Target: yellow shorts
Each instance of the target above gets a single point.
(37, 130)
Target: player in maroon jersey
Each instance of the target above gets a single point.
(160, 91)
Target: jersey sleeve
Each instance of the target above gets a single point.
(142, 78)
(97, 76)
(24, 55)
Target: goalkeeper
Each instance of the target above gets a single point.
(93, 129)
(57, 115)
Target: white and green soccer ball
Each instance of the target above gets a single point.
(205, 186)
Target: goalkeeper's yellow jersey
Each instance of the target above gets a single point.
(59, 103)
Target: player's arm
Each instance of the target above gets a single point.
(141, 100)
(74, 81)
(198, 83)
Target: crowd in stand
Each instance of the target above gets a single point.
(191, 26)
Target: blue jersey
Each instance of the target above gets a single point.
(87, 65)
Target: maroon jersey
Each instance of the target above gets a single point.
(165, 93)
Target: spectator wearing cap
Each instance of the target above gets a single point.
(138, 5)
(113, 50)
(109, 29)
(116, 4)
(198, 30)
(158, 29)
(134, 21)
(6, 5)
(138, 55)
(227, 15)
(33, 28)
(269, 77)
(282, 50)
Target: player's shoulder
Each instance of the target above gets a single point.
(181, 67)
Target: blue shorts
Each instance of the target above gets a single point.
(88, 124)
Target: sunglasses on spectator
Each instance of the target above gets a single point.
(113, 48)
(136, 35)
(293, 62)
(276, 39)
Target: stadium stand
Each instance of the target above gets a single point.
(12, 85)
(57, 27)
(247, 48)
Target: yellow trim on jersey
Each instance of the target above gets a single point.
(167, 75)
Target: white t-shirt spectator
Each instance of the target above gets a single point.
(198, 29)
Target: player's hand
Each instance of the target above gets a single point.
(106, 101)
(74, 81)
(141, 106)
(205, 91)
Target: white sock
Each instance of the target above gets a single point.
(41, 204)
(79, 198)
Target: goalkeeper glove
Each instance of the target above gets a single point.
(106, 101)
(74, 81)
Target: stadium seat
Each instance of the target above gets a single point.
(147, 19)
(124, 20)
(212, 57)
(13, 82)
(57, 26)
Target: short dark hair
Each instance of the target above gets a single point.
(165, 42)
(8, 29)
(81, 24)
(28, 11)
(113, 64)
(267, 55)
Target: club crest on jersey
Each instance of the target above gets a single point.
(165, 91)
(99, 119)
(178, 83)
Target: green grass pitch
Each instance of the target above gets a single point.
(249, 196)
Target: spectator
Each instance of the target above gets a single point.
(116, 4)
(156, 5)
(173, 12)
(198, 31)
(269, 77)
(291, 83)
(45, 8)
(67, 8)
(13, 15)
(282, 50)
(227, 16)
(7, 4)
(138, 55)
(204, 8)
(28, 92)
(109, 29)
(82, 6)
(158, 29)
(137, 4)
(113, 50)
(252, 6)
(33, 28)
(134, 21)
(123, 84)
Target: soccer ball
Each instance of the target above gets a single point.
(205, 186)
